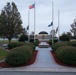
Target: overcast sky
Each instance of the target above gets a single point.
(44, 13)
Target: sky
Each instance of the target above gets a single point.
(67, 10)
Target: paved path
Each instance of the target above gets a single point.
(44, 59)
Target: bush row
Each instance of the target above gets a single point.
(36, 41)
(66, 52)
(57, 45)
(71, 43)
(19, 55)
(50, 41)
(24, 38)
(66, 43)
(31, 45)
(17, 44)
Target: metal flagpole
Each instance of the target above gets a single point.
(34, 22)
(53, 22)
(28, 25)
(58, 25)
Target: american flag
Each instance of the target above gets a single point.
(32, 6)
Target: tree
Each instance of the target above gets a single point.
(23, 38)
(73, 26)
(64, 37)
(24, 31)
(69, 34)
(10, 21)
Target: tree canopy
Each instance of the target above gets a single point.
(10, 21)
(64, 37)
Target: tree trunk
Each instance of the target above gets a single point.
(9, 40)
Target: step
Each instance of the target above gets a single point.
(43, 46)
(35, 73)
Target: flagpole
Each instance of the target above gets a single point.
(28, 25)
(53, 22)
(58, 25)
(34, 22)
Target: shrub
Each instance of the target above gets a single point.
(3, 53)
(50, 41)
(31, 45)
(19, 55)
(32, 40)
(64, 37)
(72, 43)
(23, 38)
(15, 44)
(57, 45)
(67, 54)
(36, 42)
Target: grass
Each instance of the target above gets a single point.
(6, 41)
(3, 53)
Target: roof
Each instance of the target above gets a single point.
(43, 32)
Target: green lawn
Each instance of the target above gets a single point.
(3, 53)
(6, 41)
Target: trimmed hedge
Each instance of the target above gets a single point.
(19, 55)
(15, 44)
(31, 45)
(57, 45)
(67, 54)
(36, 42)
(50, 41)
(71, 43)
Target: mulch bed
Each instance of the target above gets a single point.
(5, 65)
(59, 62)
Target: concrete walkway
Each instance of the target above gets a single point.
(44, 62)
(44, 59)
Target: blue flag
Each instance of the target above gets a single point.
(50, 24)
(28, 27)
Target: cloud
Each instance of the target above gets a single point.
(44, 13)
